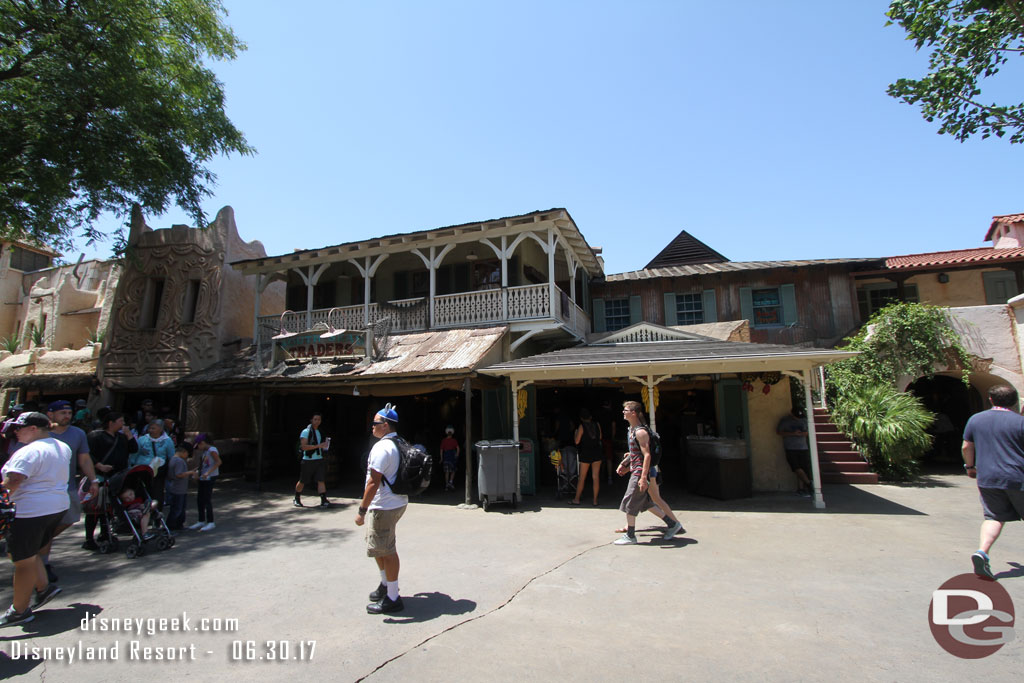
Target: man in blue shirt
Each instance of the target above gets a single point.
(312, 467)
(993, 451)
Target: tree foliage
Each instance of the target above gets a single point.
(900, 340)
(104, 103)
(969, 41)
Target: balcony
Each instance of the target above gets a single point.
(467, 309)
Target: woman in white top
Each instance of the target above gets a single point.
(36, 477)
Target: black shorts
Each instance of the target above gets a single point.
(313, 470)
(29, 535)
(1002, 505)
(799, 460)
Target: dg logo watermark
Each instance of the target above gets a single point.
(971, 617)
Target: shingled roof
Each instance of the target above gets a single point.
(683, 250)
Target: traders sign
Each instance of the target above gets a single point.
(312, 345)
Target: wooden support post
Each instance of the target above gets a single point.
(467, 391)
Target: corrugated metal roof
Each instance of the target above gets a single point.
(729, 267)
(437, 352)
(441, 351)
(661, 352)
(954, 257)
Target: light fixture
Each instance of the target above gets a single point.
(331, 332)
(355, 390)
(943, 278)
(471, 256)
(284, 334)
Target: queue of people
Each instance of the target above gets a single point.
(54, 472)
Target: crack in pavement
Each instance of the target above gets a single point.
(479, 616)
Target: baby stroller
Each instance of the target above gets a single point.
(101, 507)
(140, 480)
(567, 469)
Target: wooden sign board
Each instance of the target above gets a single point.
(311, 345)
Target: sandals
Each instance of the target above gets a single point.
(573, 502)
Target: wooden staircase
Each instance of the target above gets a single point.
(839, 461)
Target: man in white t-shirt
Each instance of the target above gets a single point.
(37, 478)
(385, 509)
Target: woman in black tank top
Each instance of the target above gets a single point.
(588, 443)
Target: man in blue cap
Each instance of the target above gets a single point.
(385, 509)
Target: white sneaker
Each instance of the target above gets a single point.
(209, 527)
(197, 525)
(626, 540)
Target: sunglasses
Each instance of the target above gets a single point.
(377, 424)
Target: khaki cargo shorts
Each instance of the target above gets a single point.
(380, 532)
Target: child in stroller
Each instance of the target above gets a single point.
(131, 491)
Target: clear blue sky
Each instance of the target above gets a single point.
(761, 128)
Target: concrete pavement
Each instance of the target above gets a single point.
(759, 589)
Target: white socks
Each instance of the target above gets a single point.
(392, 590)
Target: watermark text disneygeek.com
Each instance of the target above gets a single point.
(130, 650)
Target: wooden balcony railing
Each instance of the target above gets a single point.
(465, 309)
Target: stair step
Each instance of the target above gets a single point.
(844, 466)
(849, 478)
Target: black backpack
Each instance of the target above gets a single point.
(414, 469)
(653, 443)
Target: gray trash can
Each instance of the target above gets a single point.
(498, 474)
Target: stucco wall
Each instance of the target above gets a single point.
(768, 459)
(965, 287)
(990, 332)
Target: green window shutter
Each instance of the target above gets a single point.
(1000, 285)
(710, 306)
(747, 304)
(635, 310)
(787, 294)
(671, 316)
(598, 315)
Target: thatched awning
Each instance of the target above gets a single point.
(50, 382)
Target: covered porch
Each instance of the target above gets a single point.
(653, 368)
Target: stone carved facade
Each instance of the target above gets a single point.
(178, 304)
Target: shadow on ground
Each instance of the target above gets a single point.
(426, 606)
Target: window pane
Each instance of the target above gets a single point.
(689, 309)
(767, 307)
(616, 314)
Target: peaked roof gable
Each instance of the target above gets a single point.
(646, 332)
(684, 249)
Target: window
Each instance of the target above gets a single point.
(767, 307)
(188, 314)
(154, 296)
(1000, 286)
(23, 259)
(872, 297)
(486, 274)
(689, 309)
(616, 314)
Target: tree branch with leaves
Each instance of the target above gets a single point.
(106, 103)
(969, 41)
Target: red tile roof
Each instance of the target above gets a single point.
(996, 220)
(954, 258)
